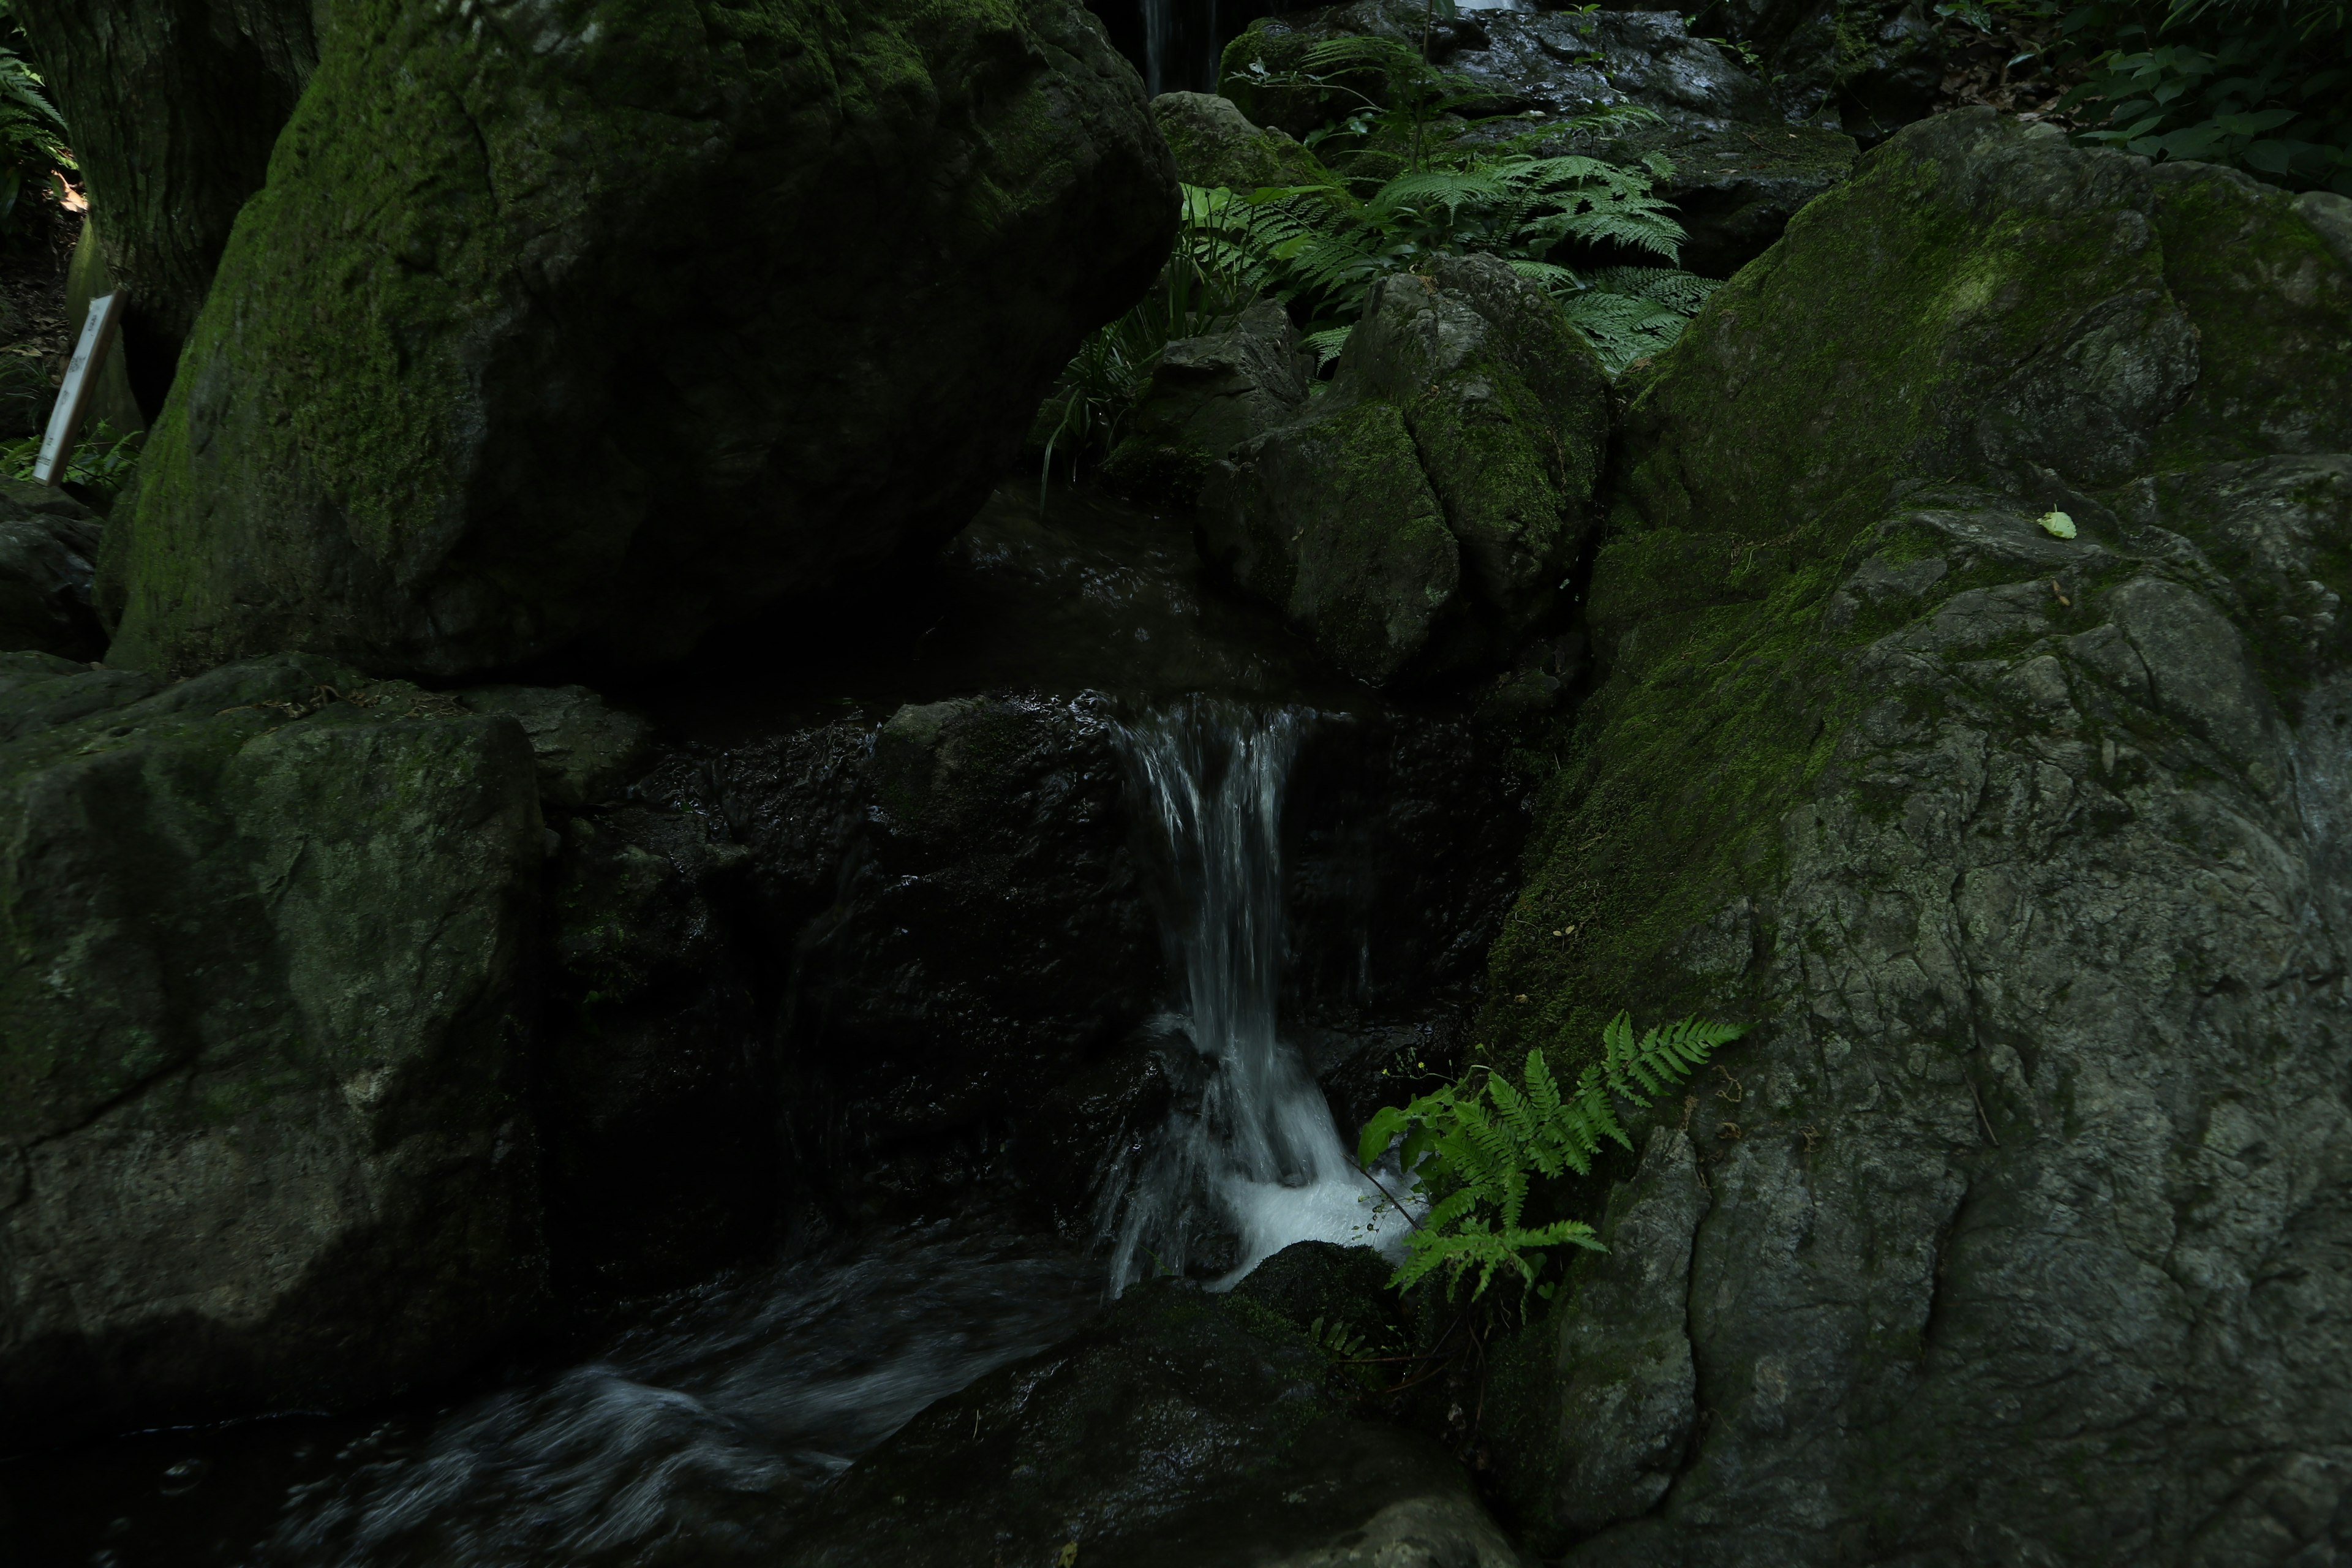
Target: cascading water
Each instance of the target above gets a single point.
(1258, 1163)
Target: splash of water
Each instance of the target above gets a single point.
(1259, 1160)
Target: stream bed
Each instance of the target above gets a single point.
(703, 1424)
(1312, 868)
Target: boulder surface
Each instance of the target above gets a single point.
(1976, 679)
(1421, 516)
(589, 327)
(262, 1025)
(1179, 1431)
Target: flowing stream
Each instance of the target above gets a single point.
(693, 1436)
(1255, 1162)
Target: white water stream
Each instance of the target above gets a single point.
(1259, 1159)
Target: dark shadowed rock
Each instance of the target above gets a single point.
(48, 551)
(587, 748)
(2021, 844)
(263, 1022)
(560, 332)
(1180, 1429)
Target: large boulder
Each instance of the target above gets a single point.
(263, 1020)
(174, 109)
(1421, 517)
(1214, 144)
(593, 331)
(2022, 1224)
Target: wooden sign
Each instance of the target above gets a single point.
(80, 386)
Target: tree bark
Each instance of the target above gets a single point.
(172, 107)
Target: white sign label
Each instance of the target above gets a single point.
(80, 386)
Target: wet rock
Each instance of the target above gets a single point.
(659, 1110)
(394, 441)
(1216, 145)
(1309, 1282)
(263, 1022)
(48, 545)
(1867, 69)
(1742, 165)
(587, 748)
(1207, 395)
(1562, 64)
(1179, 1429)
(1421, 517)
(1103, 1119)
(956, 895)
(2021, 852)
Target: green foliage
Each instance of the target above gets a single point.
(102, 462)
(1207, 281)
(32, 133)
(2261, 85)
(1472, 1148)
(1439, 192)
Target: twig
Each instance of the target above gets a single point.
(1391, 1198)
(1971, 1083)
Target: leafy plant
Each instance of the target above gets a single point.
(2261, 86)
(32, 132)
(102, 462)
(1471, 1149)
(1207, 281)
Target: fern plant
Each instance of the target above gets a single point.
(102, 462)
(1210, 278)
(32, 132)
(1471, 1149)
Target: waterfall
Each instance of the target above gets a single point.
(1257, 1164)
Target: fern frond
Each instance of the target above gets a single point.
(1326, 345)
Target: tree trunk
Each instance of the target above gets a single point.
(174, 106)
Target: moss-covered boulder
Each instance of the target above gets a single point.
(2018, 837)
(263, 942)
(1207, 395)
(1216, 145)
(1421, 517)
(593, 330)
(1179, 1431)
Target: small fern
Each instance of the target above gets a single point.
(1472, 1148)
(32, 135)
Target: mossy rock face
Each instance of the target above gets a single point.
(1214, 144)
(592, 334)
(1180, 1430)
(2017, 849)
(262, 1023)
(1420, 517)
